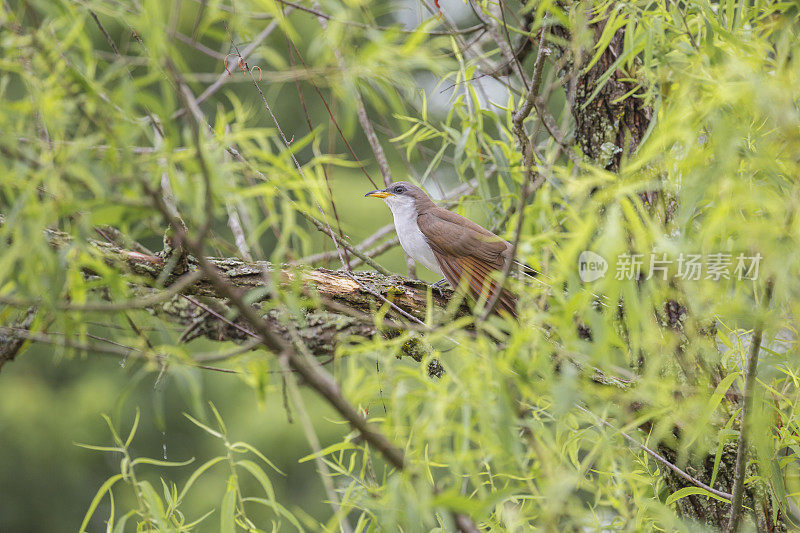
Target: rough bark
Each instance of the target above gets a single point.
(10, 345)
(339, 307)
(608, 125)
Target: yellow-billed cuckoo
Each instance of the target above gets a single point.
(449, 244)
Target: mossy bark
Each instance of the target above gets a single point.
(339, 305)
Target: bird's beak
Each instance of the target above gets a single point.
(380, 193)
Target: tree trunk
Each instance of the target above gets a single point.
(608, 127)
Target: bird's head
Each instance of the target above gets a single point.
(400, 195)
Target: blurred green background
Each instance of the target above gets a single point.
(44, 407)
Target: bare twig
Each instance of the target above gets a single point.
(313, 441)
(363, 118)
(658, 457)
(105, 33)
(333, 117)
(350, 248)
(467, 49)
(246, 51)
(200, 46)
(102, 307)
(322, 15)
(346, 264)
(493, 28)
(533, 180)
(751, 371)
(324, 257)
(525, 109)
(112, 348)
(220, 317)
(235, 223)
(245, 347)
(376, 236)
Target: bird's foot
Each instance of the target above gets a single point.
(438, 286)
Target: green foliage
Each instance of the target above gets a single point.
(92, 137)
(164, 513)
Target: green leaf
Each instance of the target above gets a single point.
(203, 426)
(119, 527)
(278, 508)
(260, 476)
(158, 462)
(690, 491)
(239, 446)
(228, 509)
(133, 429)
(219, 418)
(154, 504)
(339, 446)
(100, 448)
(191, 525)
(105, 487)
(197, 473)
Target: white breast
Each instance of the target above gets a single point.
(411, 238)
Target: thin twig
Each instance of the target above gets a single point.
(200, 46)
(363, 118)
(467, 49)
(114, 349)
(246, 51)
(210, 311)
(531, 184)
(234, 221)
(245, 347)
(313, 440)
(525, 109)
(322, 15)
(103, 307)
(346, 264)
(324, 257)
(376, 236)
(658, 457)
(751, 370)
(361, 284)
(102, 29)
(332, 116)
(505, 46)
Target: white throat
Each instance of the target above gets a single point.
(411, 238)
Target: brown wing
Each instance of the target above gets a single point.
(468, 254)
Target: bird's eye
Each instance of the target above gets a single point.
(399, 190)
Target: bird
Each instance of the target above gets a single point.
(449, 244)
